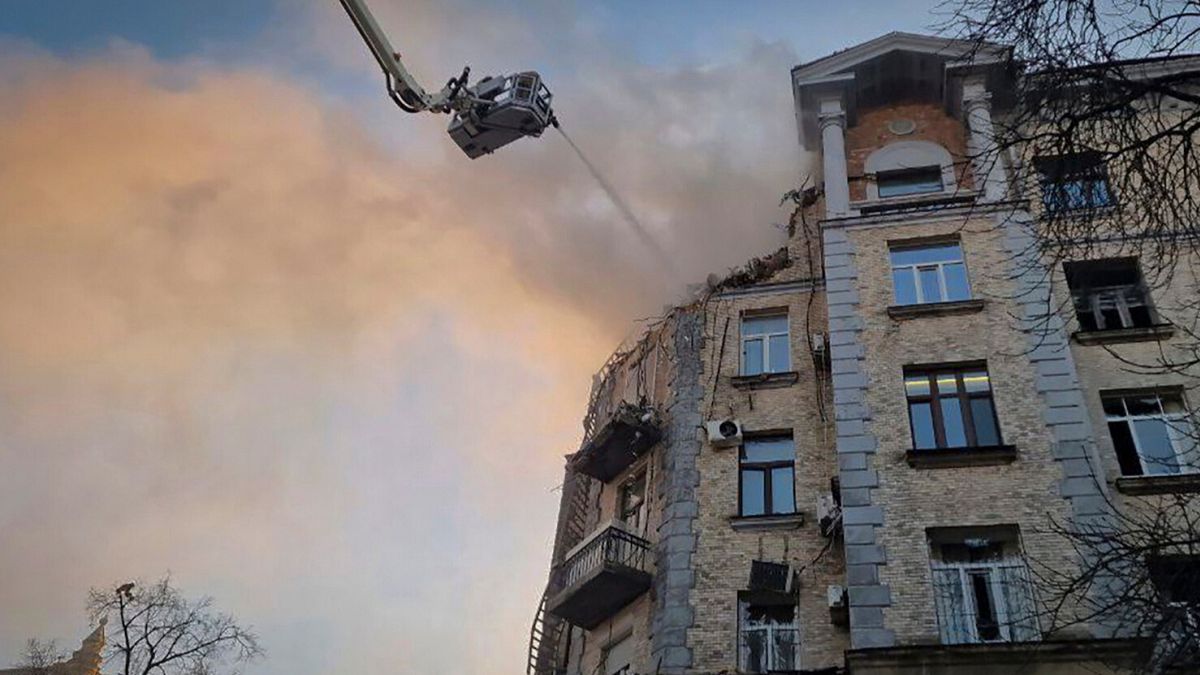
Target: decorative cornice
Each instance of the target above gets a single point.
(977, 101)
(827, 119)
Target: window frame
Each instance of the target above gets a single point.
(1186, 612)
(770, 628)
(765, 339)
(914, 271)
(1084, 294)
(640, 509)
(1009, 562)
(612, 646)
(766, 468)
(964, 397)
(1169, 420)
(1092, 296)
(995, 585)
(1056, 172)
(901, 173)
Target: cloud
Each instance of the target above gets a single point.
(318, 374)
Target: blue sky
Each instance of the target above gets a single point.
(171, 29)
(263, 330)
(655, 33)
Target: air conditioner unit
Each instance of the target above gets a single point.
(829, 515)
(769, 576)
(839, 605)
(724, 433)
(818, 342)
(819, 347)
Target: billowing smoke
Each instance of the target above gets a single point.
(327, 371)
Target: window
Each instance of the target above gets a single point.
(901, 182)
(1151, 433)
(1073, 182)
(765, 344)
(632, 503)
(1176, 579)
(1109, 294)
(936, 273)
(981, 587)
(767, 482)
(769, 639)
(618, 657)
(951, 408)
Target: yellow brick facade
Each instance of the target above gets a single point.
(844, 405)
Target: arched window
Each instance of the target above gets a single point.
(909, 168)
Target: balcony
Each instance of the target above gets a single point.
(601, 575)
(626, 434)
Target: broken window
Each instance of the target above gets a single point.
(632, 503)
(1109, 294)
(1073, 182)
(901, 182)
(981, 587)
(767, 469)
(1176, 579)
(936, 273)
(951, 408)
(618, 657)
(765, 344)
(1151, 433)
(769, 637)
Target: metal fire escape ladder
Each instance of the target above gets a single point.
(545, 636)
(577, 523)
(546, 633)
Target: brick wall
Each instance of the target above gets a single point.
(804, 408)
(911, 500)
(870, 132)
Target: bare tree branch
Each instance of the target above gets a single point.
(164, 633)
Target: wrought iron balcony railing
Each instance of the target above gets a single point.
(604, 573)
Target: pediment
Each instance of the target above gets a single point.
(848, 60)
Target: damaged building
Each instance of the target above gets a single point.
(841, 457)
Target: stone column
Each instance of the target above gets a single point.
(991, 179)
(832, 119)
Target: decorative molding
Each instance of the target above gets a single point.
(678, 478)
(980, 100)
(856, 448)
(1055, 376)
(827, 119)
(786, 287)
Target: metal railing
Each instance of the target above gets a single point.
(611, 546)
(985, 602)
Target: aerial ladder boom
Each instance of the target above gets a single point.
(492, 113)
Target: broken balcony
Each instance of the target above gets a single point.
(604, 573)
(630, 431)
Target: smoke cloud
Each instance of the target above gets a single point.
(324, 370)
